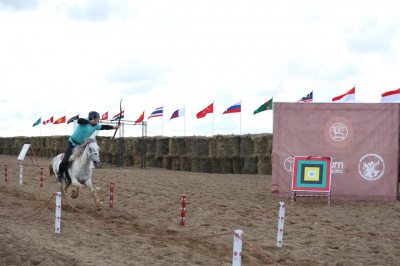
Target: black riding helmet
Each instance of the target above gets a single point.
(93, 115)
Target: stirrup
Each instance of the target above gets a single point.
(58, 178)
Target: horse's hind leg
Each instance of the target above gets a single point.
(97, 202)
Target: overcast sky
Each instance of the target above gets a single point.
(71, 57)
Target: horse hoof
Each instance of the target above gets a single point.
(74, 194)
(98, 204)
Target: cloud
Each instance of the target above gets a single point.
(19, 5)
(370, 37)
(97, 10)
(133, 71)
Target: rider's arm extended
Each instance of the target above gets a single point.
(83, 121)
(106, 127)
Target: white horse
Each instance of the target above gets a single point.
(79, 169)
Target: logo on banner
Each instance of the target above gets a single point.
(288, 164)
(371, 167)
(338, 132)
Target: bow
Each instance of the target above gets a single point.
(119, 122)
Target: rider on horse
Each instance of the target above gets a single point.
(86, 127)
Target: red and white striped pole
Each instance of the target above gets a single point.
(281, 222)
(21, 171)
(41, 177)
(237, 248)
(183, 210)
(58, 213)
(5, 169)
(111, 195)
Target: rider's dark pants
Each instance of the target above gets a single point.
(67, 154)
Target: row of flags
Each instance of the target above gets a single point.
(349, 96)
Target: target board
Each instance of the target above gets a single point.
(311, 174)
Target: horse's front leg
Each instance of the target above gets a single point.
(75, 186)
(97, 202)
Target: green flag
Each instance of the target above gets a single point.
(264, 107)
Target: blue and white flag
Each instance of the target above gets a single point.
(37, 122)
(158, 112)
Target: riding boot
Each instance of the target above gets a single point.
(58, 178)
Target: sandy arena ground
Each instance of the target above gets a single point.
(32, 241)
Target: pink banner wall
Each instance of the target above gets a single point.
(361, 138)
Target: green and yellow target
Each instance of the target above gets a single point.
(312, 174)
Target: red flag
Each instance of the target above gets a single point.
(140, 118)
(105, 116)
(208, 110)
(48, 121)
(60, 120)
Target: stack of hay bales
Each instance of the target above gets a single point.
(197, 150)
(128, 155)
(151, 152)
(43, 146)
(119, 150)
(263, 151)
(162, 150)
(1, 145)
(49, 151)
(177, 148)
(103, 147)
(6, 146)
(137, 151)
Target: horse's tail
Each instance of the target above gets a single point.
(51, 167)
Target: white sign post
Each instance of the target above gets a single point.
(58, 213)
(281, 222)
(237, 248)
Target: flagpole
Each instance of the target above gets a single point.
(212, 127)
(184, 123)
(65, 125)
(41, 126)
(162, 122)
(240, 117)
(354, 93)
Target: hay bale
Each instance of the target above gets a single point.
(137, 159)
(222, 147)
(205, 165)
(237, 165)
(202, 148)
(185, 163)
(264, 165)
(152, 146)
(150, 161)
(177, 146)
(215, 165)
(103, 148)
(57, 145)
(262, 144)
(246, 146)
(162, 146)
(195, 164)
(118, 152)
(212, 146)
(6, 146)
(159, 161)
(250, 165)
(1, 145)
(191, 146)
(128, 155)
(167, 162)
(43, 145)
(233, 145)
(176, 163)
(137, 145)
(226, 166)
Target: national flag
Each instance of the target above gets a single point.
(391, 96)
(264, 107)
(72, 119)
(158, 112)
(140, 118)
(307, 98)
(116, 117)
(60, 120)
(208, 110)
(37, 122)
(178, 113)
(350, 96)
(105, 116)
(48, 121)
(236, 108)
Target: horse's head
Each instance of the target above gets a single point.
(92, 151)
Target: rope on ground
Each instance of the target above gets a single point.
(87, 195)
(29, 216)
(258, 252)
(236, 219)
(137, 208)
(141, 234)
(339, 231)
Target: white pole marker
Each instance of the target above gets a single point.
(281, 222)
(21, 171)
(237, 248)
(58, 213)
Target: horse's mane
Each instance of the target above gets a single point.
(78, 150)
